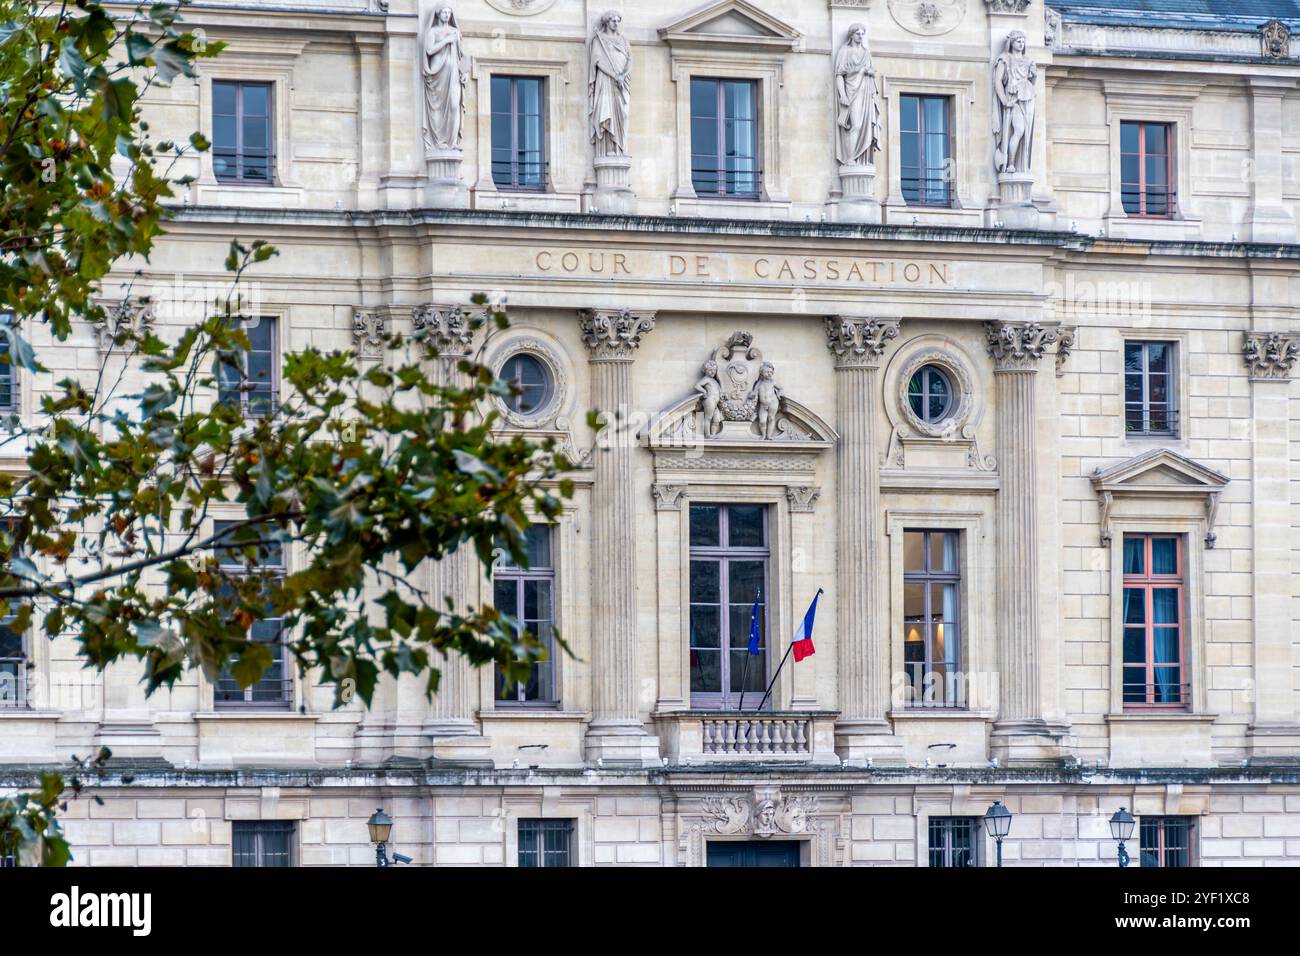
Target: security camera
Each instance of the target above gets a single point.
(401, 858)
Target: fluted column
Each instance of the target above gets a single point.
(616, 733)
(447, 331)
(1020, 732)
(862, 729)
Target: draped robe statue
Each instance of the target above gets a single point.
(857, 115)
(609, 87)
(446, 71)
(1013, 85)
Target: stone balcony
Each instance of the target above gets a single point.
(711, 737)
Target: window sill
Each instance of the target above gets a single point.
(533, 713)
(940, 713)
(1173, 716)
(254, 713)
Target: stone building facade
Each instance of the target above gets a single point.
(980, 319)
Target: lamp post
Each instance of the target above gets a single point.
(381, 826)
(1121, 829)
(998, 823)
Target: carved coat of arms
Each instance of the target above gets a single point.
(736, 385)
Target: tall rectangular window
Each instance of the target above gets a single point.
(932, 619)
(1154, 671)
(519, 133)
(1166, 841)
(8, 372)
(274, 689)
(1147, 169)
(527, 594)
(246, 378)
(262, 842)
(925, 139)
(241, 132)
(1150, 389)
(954, 841)
(724, 139)
(545, 843)
(729, 555)
(13, 645)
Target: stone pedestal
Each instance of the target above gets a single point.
(444, 188)
(857, 202)
(1014, 207)
(1020, 735)
(616, 735)
(613, 195)
(862, 732)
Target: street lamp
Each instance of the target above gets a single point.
(1121, 829)
(998, 823)
(381, 825)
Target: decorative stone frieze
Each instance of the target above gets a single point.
(522, 8)
(859, 342)
(1270, 355)
(1014, 7)
(767, 814)
(614, 335)
(1017, 347)
(928, 17)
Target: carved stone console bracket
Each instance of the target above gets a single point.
(1159, 474)
(128, 315)
(1065, 342)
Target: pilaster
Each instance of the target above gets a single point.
(1274, 733)
(862, 731)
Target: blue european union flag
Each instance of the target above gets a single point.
(755, 637)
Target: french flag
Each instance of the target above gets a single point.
(802, 646)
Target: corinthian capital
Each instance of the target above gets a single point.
(1017, 346)
(1270, 355)
(614, 334)
(446, 329)
(858, 342)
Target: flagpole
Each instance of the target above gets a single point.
(788, 649)
(744, 674)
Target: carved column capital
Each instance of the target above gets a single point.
(130, 315)
(445, 329)
(1270, 356)
(668, 497)
(613, 335)
(803, 498)
(1008, 6)
(858, 342)
(369, 333)
(1017, 346)
(1066, 339)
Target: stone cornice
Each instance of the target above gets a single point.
(1270, 356)
(1017, 346)
(614, 335)
(858, 342)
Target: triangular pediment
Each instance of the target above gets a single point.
(731, 22)
(1159, 470)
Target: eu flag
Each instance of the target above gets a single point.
(755, 638)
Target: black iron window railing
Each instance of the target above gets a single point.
(262, 843)
(545, 843)
(1166, 841)
(954, 841)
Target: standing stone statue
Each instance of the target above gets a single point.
(858, 114)
(446, 71)
(1014, 75)
(609, 86)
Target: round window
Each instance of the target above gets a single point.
(930, 394)
(530, 383)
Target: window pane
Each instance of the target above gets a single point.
(1134, 555)
(706, 626)
(1164, 606)
(745, 526)
(705, 586)
(913, 551)
(1128, 137)
(745, 581)
(1134, 606)
(539, 546)
(1164, 555)
(704, 525)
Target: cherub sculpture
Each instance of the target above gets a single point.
(768, 394)
(710, 390)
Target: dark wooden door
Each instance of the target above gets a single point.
(754, 853)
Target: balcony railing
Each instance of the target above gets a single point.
(13, 683)
(1157, 696)
(721, 736)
